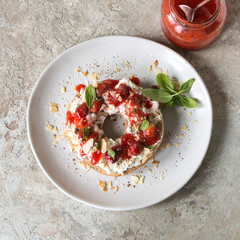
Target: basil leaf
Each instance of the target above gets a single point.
(165, 83)
(171, 103)
(111, 153)
(98, 146)
(133, 110)
(187, 85)
(149, 146)
(85, 132)
(143, 125)
(187, 102)
(90, 95)
(157, 95)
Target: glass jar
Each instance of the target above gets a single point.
(205, 28)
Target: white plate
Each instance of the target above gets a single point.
(180, 162)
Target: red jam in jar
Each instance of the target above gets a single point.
(205, 28)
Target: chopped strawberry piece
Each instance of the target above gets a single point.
(123, 91)
(111, 83)
(135, 80)
(113, 100)
(82, 153)
(69, 118)
(96, 105)
(79, 87)
(95, 136)
(147, 104)
(149, 136)
(81, 111)
(118, 152)
(105, 86)
(96, 157)
(125, 155)
(135, 101)
(127, 139)
(135, 149)
(80, 123)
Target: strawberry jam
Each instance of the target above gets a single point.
(135, 101)
(80, 123)
(81, 111)
(149, 136)
(127, 139)
(79, 87)
(95, 136)
(96, 157)
(69, 118)
(123, 91)
(118, 152)
(207, 24)
(135, 80)
(135, 149)
(96, 105)
(105, 86)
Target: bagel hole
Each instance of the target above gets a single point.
(114, 126)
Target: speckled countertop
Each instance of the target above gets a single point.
(32, 34)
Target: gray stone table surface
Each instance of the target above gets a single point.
(32, 34)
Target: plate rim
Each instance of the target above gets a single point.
(99, 206)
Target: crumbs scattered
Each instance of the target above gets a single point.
(162, 174)
(83, 164)
(102, 185)
(53, 107)
(134, 179)
(128, 64)
(109, 184)
(117, 70)
(78, 69)
(141, 180)
(51, 128)
(165, 145)
(84, 74)
(185, 128)
(178, 144)
(63, 89)
(150, 68)
(131, 76)
(94, 76)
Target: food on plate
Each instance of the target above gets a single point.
(86, 115)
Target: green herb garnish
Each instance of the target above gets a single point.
(143, 125)
(111, 153)
(85, 132)
(169, 94)
(90, 95)
(149, 146)
(98, 146)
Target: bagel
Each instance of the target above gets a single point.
(143, 134)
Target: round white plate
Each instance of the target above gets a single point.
(178, 162)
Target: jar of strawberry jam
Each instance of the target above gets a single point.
(205, 28)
